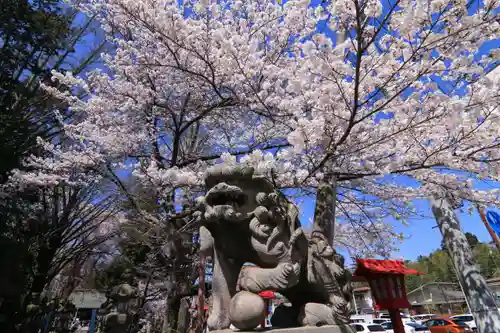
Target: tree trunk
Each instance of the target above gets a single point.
(16, 265)
(481, 301)
(166, 328)
(43, 263)
(200, 322)
(73, 278)
(170, 320)
(184, 316)
(324, 211)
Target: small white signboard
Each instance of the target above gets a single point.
(87, 299)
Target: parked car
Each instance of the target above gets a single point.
(442, 325)
(407, 320)
(388, 316)
(361, 318)
(466, 318)
(385, 317)
(421, 317)
(357, 320)
(367, 328)
(419, 328)
(409, 327)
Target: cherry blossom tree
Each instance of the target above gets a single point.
(71, 224)
(390, 100)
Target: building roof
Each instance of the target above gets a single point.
(495, 280)
(433, 283)
(448, 296)
(453, 294)
(367, 266)
(432, 302)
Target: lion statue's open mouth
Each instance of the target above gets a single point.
(223, 202)
(224, 194)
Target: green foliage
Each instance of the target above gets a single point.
(36, 37)
(488, 260)
(471, 239)
(438, 266)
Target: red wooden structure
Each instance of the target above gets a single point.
(387, 283)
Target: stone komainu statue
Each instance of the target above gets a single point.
(245, 219)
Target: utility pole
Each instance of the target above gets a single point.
(492, 232)
(479, 298)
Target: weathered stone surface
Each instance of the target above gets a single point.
(316, 314)
(121, 314)
(247, 310)
(244, 219)
(344, 328)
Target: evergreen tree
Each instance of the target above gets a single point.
(471, 239)
(438, 266)
(36, 37)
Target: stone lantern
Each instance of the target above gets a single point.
(387, 284)
(121, 315)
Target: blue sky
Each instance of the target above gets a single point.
(421, 237)
(421, 234)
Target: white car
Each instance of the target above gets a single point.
(468, 319)
(357, 320)
(409, 327)
(367, 328)
(386, 317)
(361, 318)
(419, 319)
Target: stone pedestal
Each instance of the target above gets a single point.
(305, 329)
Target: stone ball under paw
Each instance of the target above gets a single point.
(247, 310)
